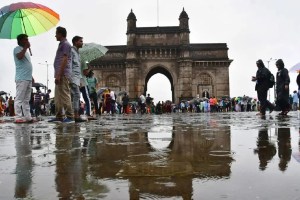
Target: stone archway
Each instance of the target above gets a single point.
(163, 71)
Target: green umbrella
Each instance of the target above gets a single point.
(91, 51)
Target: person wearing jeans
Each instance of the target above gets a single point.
(76, 75)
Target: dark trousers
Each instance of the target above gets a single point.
(113, 106)
(85, 92)
(95, 100)
(264, 103)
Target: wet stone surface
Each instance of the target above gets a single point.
(170, 156)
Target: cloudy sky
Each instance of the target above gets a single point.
(252, 29)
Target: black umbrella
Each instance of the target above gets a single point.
(122, 93)
(38, 85)
(2, 93)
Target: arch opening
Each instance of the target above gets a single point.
(159, 84)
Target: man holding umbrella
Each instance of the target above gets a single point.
(23, 80)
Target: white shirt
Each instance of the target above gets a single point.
(112, 95)
(143, 99)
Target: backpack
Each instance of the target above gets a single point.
(271, 80)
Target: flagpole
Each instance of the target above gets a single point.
(157, 12)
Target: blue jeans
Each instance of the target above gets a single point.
(85, 95)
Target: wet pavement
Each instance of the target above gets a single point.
(170, 156)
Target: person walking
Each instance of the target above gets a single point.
(77, 42)
(262, 86)
(282, 88)
(62, 75)
(23, 80)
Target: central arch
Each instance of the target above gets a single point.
(161, 70)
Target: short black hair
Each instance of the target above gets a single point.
(21, 37)
(62, 31)
(76, 39)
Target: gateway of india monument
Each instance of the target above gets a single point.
(193, 69)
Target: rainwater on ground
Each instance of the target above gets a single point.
(169, 156)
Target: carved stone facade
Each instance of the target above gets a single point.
(193, 69)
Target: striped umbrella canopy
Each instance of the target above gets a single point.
(26, 17)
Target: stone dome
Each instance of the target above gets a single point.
(131, 16)
(183, 14)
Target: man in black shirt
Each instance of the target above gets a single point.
(262, 87)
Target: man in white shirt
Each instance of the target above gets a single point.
(143, 104)
(113, 102)
(23, 80)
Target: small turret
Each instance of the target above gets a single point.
(131, 22)
(184, 21)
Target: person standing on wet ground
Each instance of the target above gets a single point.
(92, 85)
(262, 86)
(125, 101)
(148, 103)
(23, 80)
(113, 101)
(143, 104)
(38, 102)
(282, 88)
(47, 102)
(85, 91)
(62, 75)
(75, 78)
(295, 101)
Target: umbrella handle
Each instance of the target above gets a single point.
(30, 51)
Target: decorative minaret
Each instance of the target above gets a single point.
(131, 27)
(131, 22)
(184, 27)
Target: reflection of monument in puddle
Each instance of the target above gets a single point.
(164, 161)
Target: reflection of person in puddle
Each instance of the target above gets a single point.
(265, 149)
(284, 147)
(68, 163)
(24, 160)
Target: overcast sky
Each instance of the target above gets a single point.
(252, 29)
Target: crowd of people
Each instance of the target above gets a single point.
(73, 78)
